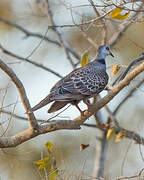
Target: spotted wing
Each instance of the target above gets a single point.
(80, 83)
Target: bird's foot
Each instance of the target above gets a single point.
(90, 106)
(84, 113)
(87, 102)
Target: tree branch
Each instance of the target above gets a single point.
(38, 35)
(66, 124)
(114, 91)
(28, 134)
(65, 45)
(5, 51)
(22, 92)
(131, 92)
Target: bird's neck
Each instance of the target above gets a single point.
(101, 56)
(101, 61)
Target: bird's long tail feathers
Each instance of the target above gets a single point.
(42, 103)
(57, 105)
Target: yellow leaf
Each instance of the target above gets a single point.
(115, 69)
(85, 58)
(49, 147)
(119, 14)
(53, 174)
(42, 161)
(44, 165)
(120, 136)
(110, 133)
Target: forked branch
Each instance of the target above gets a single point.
(62, 124)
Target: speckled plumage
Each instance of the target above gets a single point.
(80, 84)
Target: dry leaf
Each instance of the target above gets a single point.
(83, 146)
(120, 136)
(119, 14)
(85, 58)
(115, 70)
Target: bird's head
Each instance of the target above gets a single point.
(103, 51)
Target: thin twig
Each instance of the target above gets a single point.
(104, 32)
(37, 46)
(59, 35)
(132, 177)
(131, 92)
(124, 159)
(40, 36)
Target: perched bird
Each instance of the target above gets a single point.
(80, 84)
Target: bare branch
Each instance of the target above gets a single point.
(100, 152)
(21, 89)
(56, 125)
(19, 117)
(131, 92)
(104, 32)
(40, 36)
(29, 61)
(139, 175)
(28, 134)
(65, 45)
(28, 33)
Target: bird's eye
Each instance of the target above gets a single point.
(107, 48)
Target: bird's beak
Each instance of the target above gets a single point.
(111, 54)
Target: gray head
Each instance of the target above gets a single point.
(103, 51)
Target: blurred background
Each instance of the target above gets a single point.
(119, 159)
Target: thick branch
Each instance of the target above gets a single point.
(21, 89)
(56, 125)
(28, 134)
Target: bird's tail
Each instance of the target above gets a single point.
(57, 105)
(42, 103)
